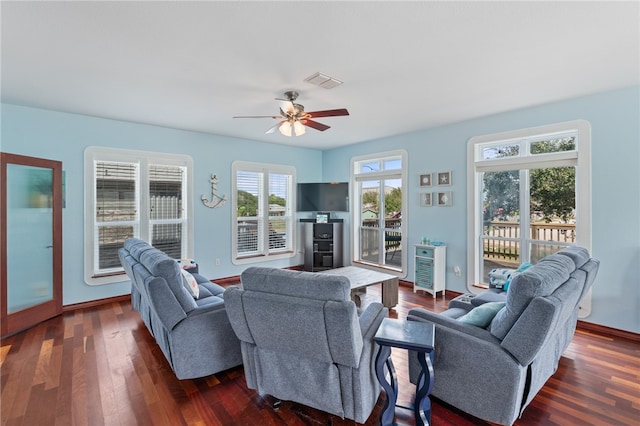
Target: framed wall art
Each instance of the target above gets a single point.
(444, 178)
(425, 199)
(425, 179)
(444, 198)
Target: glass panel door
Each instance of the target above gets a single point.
(501, 239)
(29, 236)
(32, 203)
(381, 221)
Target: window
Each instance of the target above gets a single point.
(262, 209)
(378, 204)
(134, 194)
(530, 192)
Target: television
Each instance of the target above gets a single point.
(323, 197)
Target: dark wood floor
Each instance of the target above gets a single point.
(99, 365)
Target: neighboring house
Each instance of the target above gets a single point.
(369, 214)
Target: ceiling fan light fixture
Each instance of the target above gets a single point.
(298, 128)
(285, 128)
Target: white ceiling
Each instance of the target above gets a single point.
(406, 66)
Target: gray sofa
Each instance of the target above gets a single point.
(302, 340)
(194, 334)
(493, 372)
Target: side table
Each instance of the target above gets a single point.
(414, 336)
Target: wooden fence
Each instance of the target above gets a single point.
(505, 247)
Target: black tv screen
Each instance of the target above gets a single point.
(323, 197)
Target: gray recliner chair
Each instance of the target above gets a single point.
(302, 340)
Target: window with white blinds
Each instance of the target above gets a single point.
(116, 211)
(167, 218)
(263, 227)
(134, 194)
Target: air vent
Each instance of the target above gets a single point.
(323, 80)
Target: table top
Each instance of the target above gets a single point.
(360, 277)
(412, 335)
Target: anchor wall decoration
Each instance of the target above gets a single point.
(216, 200)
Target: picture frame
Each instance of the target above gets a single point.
(425, 179)
(426, 200)
(444, 178)
(322, 217)
(444, 198)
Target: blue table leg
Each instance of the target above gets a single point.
(422, 407)
(391, 388)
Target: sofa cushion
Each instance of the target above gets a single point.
(481, 316)
(287, 282)
(136, 247)
(541, 279)
(161, 265)
(579, 255)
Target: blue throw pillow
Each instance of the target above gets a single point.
(482, 315)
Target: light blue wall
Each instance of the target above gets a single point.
(615, 125)
(615, 122)
(64, 137)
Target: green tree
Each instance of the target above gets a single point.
(370, 199)
(553, 190)
(501, 190)
(247, 204)
(393, 201)
(274, 199)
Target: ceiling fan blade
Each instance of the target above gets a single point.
(315, 125)
(259, 116)
(286, 107)
(328, 113)
(273, 128)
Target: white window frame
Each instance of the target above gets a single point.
(265, 254)
(580, 158)
(143, 223)
(356, 207)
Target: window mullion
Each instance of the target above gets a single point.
(144, 215)
(525, 215)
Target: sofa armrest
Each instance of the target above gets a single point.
(419, 314)
(371, 318)
(531, 330)
(211, 303)
(204, 338)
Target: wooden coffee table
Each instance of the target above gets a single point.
(361, 278)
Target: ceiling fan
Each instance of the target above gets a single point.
(293, 117)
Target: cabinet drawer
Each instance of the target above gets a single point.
(424, 251)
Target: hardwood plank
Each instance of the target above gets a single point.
(99, 364)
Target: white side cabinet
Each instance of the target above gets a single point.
(430, 268)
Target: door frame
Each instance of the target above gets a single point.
(25, 318)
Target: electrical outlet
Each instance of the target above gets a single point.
(217, 262)
(456, 269)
